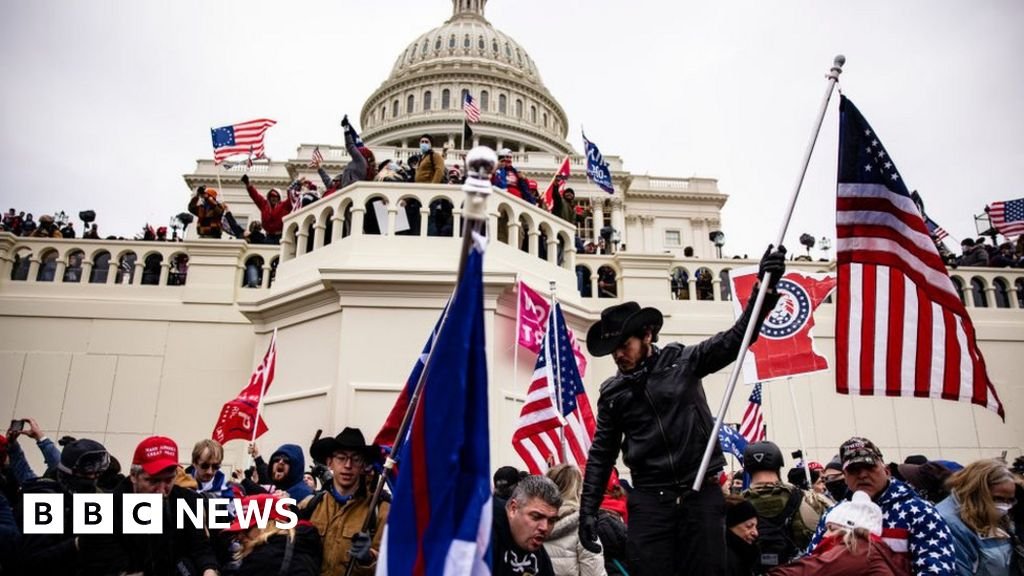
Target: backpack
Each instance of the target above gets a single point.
(775, 535)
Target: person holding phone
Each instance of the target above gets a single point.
(20, 470)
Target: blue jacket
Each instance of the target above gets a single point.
(19, 464)
(293, 483)
(974, 554)
(219, 487)
(910, 525)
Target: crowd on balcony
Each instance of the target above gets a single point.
(982, 253)
(857, 514)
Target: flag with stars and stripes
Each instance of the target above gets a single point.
(1008, 217)
(241, 138)
(752, 426)
(935, 230)
(901, 328)
(556, 424)
(317, 159)
(472, 110)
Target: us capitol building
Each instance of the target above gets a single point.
(114, 341)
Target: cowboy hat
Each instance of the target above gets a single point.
(348, 439)
(618, 323)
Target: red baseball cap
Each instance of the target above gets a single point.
(155, 454)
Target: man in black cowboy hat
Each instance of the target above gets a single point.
(340, 510)
(654, 410)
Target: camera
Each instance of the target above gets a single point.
(797, 454)
(17, 426)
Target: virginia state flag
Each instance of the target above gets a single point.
(440, 519)
(784, 347)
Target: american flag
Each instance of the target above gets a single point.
(935, 230)
(318, 158)
(471, 109)
(538, 436)
(1008, 217)
(752, 426)
(901, 329)
(241, 138)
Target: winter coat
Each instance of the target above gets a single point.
(659, 417)
(431, 170)
(268, 558)
(568, 556)
(521, 189)
(293, 483)
(10, 536)
(872, 558)
(271, 217)
(337, 523)
(50, 553)
(356, 170)
(563, 208)
(910, 526)
(508, 559)
(208, 217)
(741, 558)
(974, 554)
(770, 499)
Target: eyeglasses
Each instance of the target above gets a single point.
(209, 466)
(344, 459)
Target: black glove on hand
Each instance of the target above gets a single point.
(201, 190)
(245, 180)
(360, 550)
(344, 122)
(588, 534)
(773, 263)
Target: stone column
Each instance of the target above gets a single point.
(358, 213)
(593, 283)
(33, 269)
(598, 206)
(165, 270)
(716, 289)
(619, 216)
(424, 220)
(301, 241)
(553, 249)
(265, 281)
(140, 264)
(86, 271)
(647, 224)
(533, 237)
(288, 249)
(319, 231)
(58, 275)
(513, 234)
(337, 226)
(991, 290)
(112, 271)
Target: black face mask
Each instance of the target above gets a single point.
(79, 485)
(837, 488)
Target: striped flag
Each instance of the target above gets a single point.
(901, 328)
(539, 434)
(935, 230)
(752, 426)
(318, 158)
(241, 138)
(471, 109)
(1008, 217)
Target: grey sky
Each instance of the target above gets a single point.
(107, 103)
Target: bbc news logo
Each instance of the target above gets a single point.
(144, 513)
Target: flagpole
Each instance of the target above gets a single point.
(515, 341)
(557, 375)
(800, 432)
(259, 405)
(833, 78)
(480, 163)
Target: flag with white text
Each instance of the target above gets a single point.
(532, 319)
(597, 169)
(240, 418)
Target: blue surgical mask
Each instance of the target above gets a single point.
(424, 147)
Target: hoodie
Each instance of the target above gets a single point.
(292, 483)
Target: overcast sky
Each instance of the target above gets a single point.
(107, 103)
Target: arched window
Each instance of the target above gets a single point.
(410, 103)
(680, 283)
(47, 267)
(440, 218)
(502, 104)
(533, 114)
(978, 291)
(1002, 293)
(462, 96)
(583, 283)
(151, 269)
(726, 290)
(705, 285)
(100, 268)
(607, 285)
(480, 43)
(73, 270)
(508, 51)
(383, 109)
(424, 50)
(485, 100)
(451, 41)
(446, 99)
(545, 119)
(519, 108)
(465, 41)
(178, 272)
(253, 277)
(958, 285)
(1019, 284)
(426, 101)
(394, 109)
(126, 269)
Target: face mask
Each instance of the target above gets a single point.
(1003, 508)
(837, 488)
(424, 147)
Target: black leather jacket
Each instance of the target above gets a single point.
(659, 416)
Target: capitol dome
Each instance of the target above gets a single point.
(427, 84)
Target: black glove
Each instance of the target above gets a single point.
(344, 122)
(360, 550)
(774, 263)
(201, 190)
(588, 534)
(245, 180)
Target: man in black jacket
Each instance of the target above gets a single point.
(654, 410)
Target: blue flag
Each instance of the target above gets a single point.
(440, 518)
(732, 441)
(597, 168)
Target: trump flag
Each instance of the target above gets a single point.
(240, 417)
(532, 321)
(784, 346)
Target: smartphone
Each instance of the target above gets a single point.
(17, 425)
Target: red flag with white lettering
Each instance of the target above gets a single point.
(560, 177)
(532, 323)
(785, 346)
(240, 417)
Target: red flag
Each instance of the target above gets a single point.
(785, 346)
(561, 176)
(532, 321)
(239, 417)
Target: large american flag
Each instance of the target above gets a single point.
(752, 426)
(471, 109)
(241, 138)
(1008, 217)
(539, 435)
(901, 328)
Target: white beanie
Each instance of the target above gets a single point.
(859, 512)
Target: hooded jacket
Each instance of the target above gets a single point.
(356, 170)
(293, 483)
(872, 558)
(568, 556)
(271, 217)
(659, 416)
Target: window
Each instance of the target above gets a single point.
(426, 101)
(383, 109)
(410, 102)
(502, 104)
(508, 51)
(446, 99)
(451, 41)
(519, 108)
(466, 41)
(545, 119)
(437, 44)
(394, 109)
(424, 50)
(533, 114)
(494, 46)
(673, 238)
(485, 101)
(480, 44)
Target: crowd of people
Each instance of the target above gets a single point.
(981, 252)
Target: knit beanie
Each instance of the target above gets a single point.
(858, 512)
(739, 513)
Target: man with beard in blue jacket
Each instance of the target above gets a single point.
(287, 465)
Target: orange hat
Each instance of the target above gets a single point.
(211, 192)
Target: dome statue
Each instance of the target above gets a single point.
(430, 79)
